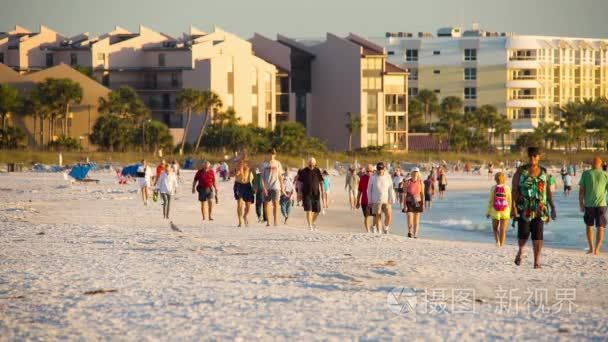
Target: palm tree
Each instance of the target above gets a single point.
(188, 100)
(210, 102)
(8, 102)
(428, 99)
(124, 103)
(574, 117)
(488, 116)
(451, 112)
(502, 127)
(414, 113)
(547, 131)
(353, 124)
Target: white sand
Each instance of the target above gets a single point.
(215, 281)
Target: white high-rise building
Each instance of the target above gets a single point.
(527, 78)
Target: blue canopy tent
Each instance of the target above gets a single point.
(80, 172)
(130, 170)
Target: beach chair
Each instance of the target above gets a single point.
(79, 174)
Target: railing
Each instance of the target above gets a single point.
(395, 108)
(147, 85)
(522, 58)
(524, 77)
(523, 97)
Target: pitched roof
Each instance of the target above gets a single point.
(393, 69)
(8, 75)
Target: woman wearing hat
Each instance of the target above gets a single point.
(414, 202)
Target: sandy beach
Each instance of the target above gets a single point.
(90, 262)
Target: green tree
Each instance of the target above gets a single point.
(547, 131)
(353, 125)
(574, 119)
(210, 102)
(451, 113)
(8, 102)
(415, 114)
(124, 103)
(188, 100)
(502, 128)
(429, 103)
(58, 94)
(487, 116)
(87, 71)
(112, 133)
(156, 135)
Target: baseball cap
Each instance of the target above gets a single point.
(415, 169)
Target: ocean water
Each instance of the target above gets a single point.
(461, 216)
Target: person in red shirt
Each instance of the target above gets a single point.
(204, 184)
(362, 201)
(159, 169)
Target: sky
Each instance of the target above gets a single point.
(311, 18)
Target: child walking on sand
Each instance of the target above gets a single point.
(499, 208)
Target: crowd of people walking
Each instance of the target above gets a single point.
(377, 189)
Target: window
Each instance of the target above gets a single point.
(174, 80)
(372, 83)
(73, 59)
(470, 93)
(437, 91)
(394, 103)
(161, 59)
(1, 57)
(413, 75)
(469, 109)
(470, 74)
(105, 80)
(470, 54)
(391, 53)
(372, 102)
(436, 52)
(436, 72)
(49, 60)
(101, 56)
(411, 55)
(412, 91)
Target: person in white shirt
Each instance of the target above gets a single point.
(380, 195)
(144, 179)
(397, 179)
(167, 187)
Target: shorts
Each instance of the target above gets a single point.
(595, 216)
(204, 194)
(272, 196)
(441, 187)
(367, 210)
(413, 207)
(534, 228)
(398, 190)
(567, 188)
(312, 202)
(143, 182)
(378, 208)
(428, 197)
(243, 192)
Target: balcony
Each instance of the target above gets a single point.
(524, 84)
(394, 108)
(148, 85)
(523, 58)
(525, 102)
(523, 63)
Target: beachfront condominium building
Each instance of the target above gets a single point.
(157, 66)
(528, 78)
(21, 50)
(338, 75)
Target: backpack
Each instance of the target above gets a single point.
(500, 198)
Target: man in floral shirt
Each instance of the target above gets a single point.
(532, 199)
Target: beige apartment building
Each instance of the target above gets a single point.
(157, 66)
(528, 78)
(337, 76)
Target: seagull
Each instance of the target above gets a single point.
(174, 227)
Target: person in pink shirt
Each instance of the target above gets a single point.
(414, 202)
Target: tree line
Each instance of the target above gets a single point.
(447, 121)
